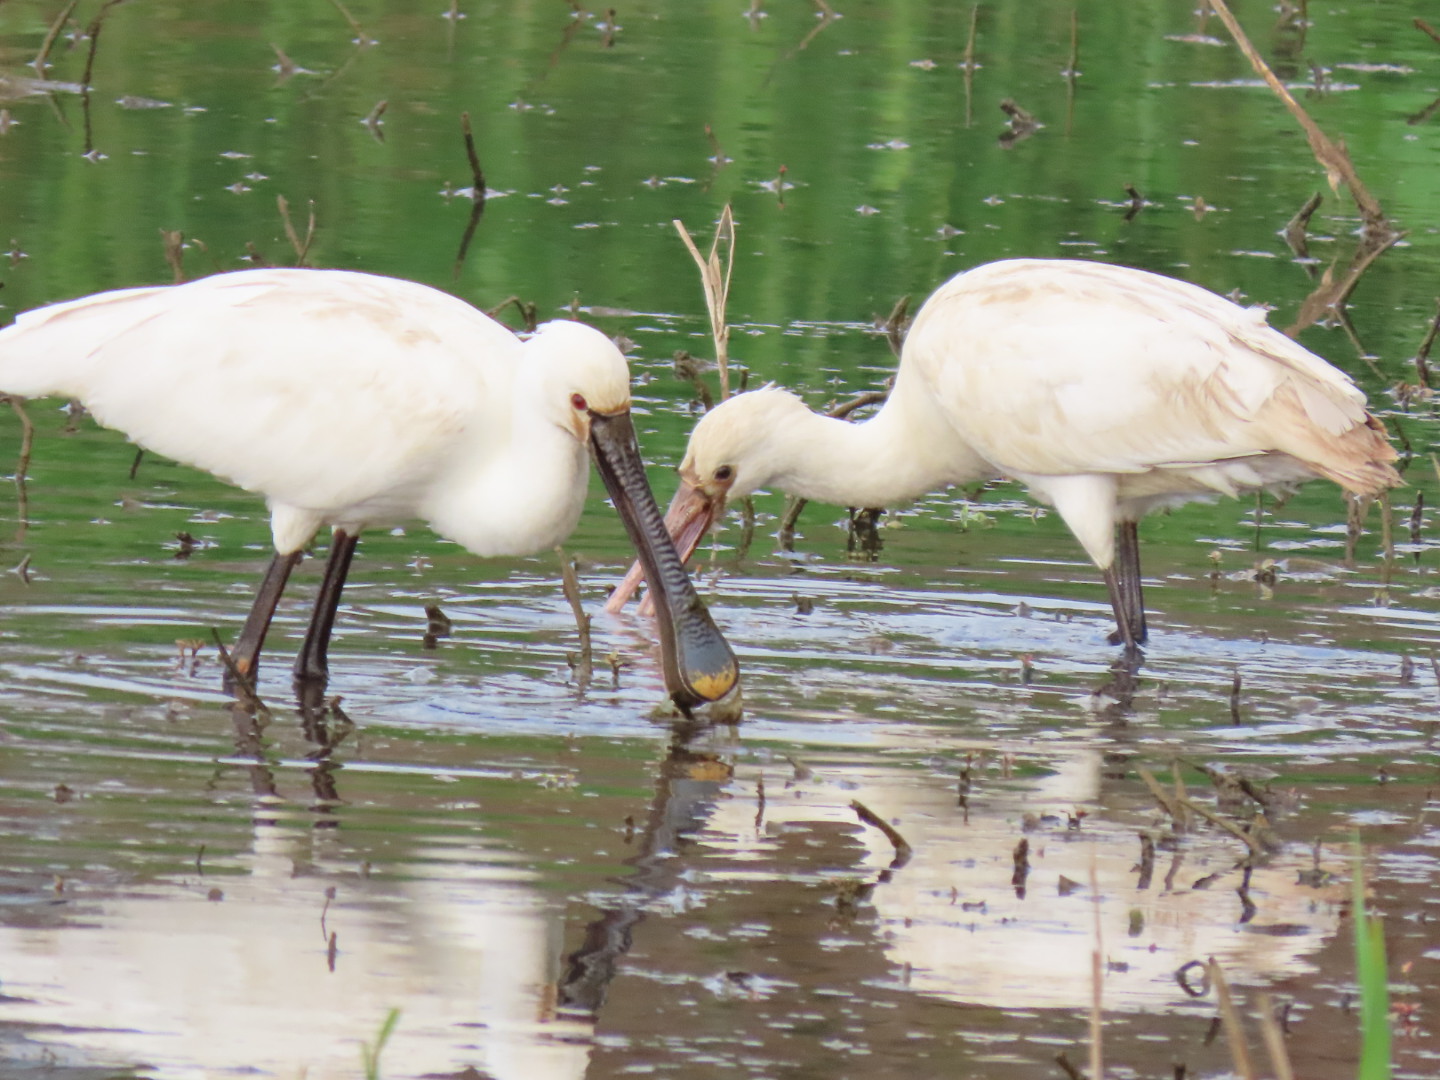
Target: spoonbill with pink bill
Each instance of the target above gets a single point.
(1108, 391)
(353, 400)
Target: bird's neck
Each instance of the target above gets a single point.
(899, 454)
(517, 489)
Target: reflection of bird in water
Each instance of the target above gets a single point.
(969, 919)
(1107, 391)
(351, 400)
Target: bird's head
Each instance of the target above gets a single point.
(732, 451)
(585, 375)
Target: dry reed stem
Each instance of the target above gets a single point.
(45, 46)
(1274, 1039)
(174, 241)
(1234, 1033)
(1170, 806)
(302, 250)
(717, 287)
(361, 38)
(1230, 827)
(1331, 155)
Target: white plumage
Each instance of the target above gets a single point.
(348, 400)
(1108, 391)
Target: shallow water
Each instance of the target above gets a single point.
(550, 879)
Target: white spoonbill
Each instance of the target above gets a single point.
(352, 400)
(1107, 391)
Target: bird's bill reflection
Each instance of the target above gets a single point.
(698, 663)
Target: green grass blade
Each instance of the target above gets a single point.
(1374, 984)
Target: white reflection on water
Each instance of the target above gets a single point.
(201, 987)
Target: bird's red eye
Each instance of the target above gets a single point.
(578, 400)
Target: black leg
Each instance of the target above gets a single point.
(310, 665)
(246, 652)
(1129, 537)
(1123, 580)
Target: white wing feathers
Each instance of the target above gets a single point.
(1050, 347)
(175, 366)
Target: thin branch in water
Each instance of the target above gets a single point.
(1331, 295)
(529, 314)
(1297, 228)
(968, 66)
(1331, 156)
(1137, 202)
(903, 851)
(1274, 1039)
(244, 686)
(1072, 69)
(93, 33)
(22, 465)
(1230, 1016)
(1424, 114)
(897, 324)
(361, 38)
(583, 664)
(174, 241)
(477, 196)
(1422, 25)
(302, 250)
(373, 122)
(41, 58)
(1422, 354)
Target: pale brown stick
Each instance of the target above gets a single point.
(1332, 157)
(45, 46)
(1235, 1034)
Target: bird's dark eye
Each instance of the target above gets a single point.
(724, 472)
(578, 400)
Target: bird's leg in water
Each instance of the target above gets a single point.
(246, 653)
(1123, 580)
(1129, 554)
(311, 665)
